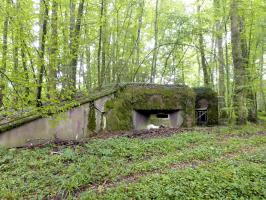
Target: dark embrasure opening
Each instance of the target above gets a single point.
(165, 118)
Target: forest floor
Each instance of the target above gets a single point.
(200, 163)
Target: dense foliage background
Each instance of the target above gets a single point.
(51, 50)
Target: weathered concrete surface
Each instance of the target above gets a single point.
(177, 119)
(140, 121)
(99, 112)
(71, 125)
(147, 98)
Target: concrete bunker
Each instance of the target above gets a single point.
(116, 107)
(134, 106)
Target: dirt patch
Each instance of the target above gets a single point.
(160, 132)
(142, 134)
(55, 144)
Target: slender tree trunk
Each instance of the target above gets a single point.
(123, 61)
(240, 101)
(4, 57)
(117, 48)
(81, 71)
(75, 45)
(262, 84)
(204, 65)
(212, 67)
(69, 39)
(155, 51)
(99, 69)
(44, 17)
(108, 58)
(70, 57)
(227, 70)
(219, 38)
(250, 69)
(15, 62)
(104, 41)
(89, 71)
(221, 61)
(113, 55)
(26, 73)
(53, 60)
(140, 22)
(199, 68)
(15, 53)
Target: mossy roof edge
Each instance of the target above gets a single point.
(99, 93)
(29, 117)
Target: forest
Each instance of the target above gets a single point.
(99, 99)
(52, 50)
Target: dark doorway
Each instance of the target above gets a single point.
(202, 116)
(162, 115)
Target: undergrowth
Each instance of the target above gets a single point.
(230, 163)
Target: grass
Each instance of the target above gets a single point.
(262, 117)
(224, 163)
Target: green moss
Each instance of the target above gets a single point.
(91, 118)
(19, 122)
(129, 98)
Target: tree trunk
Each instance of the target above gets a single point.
(75, 45)
(69, 39)
(4, 58)
(104, 41)
(99, 69)
(221, 61)
(53, 60)
(81, 71)
(262, 84)
(155, 51)
(240, 101)
(199, 68)
(26, 73)
(15, 63)
(44, 17)
(88, 80)
(140, 21)
(219, 38)
(251, 71)
(227, 70)
(204, 65)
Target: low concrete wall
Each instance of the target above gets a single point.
(70, 125)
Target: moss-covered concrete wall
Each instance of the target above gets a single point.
(113, 108)
(208, 97)
(119, 110)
